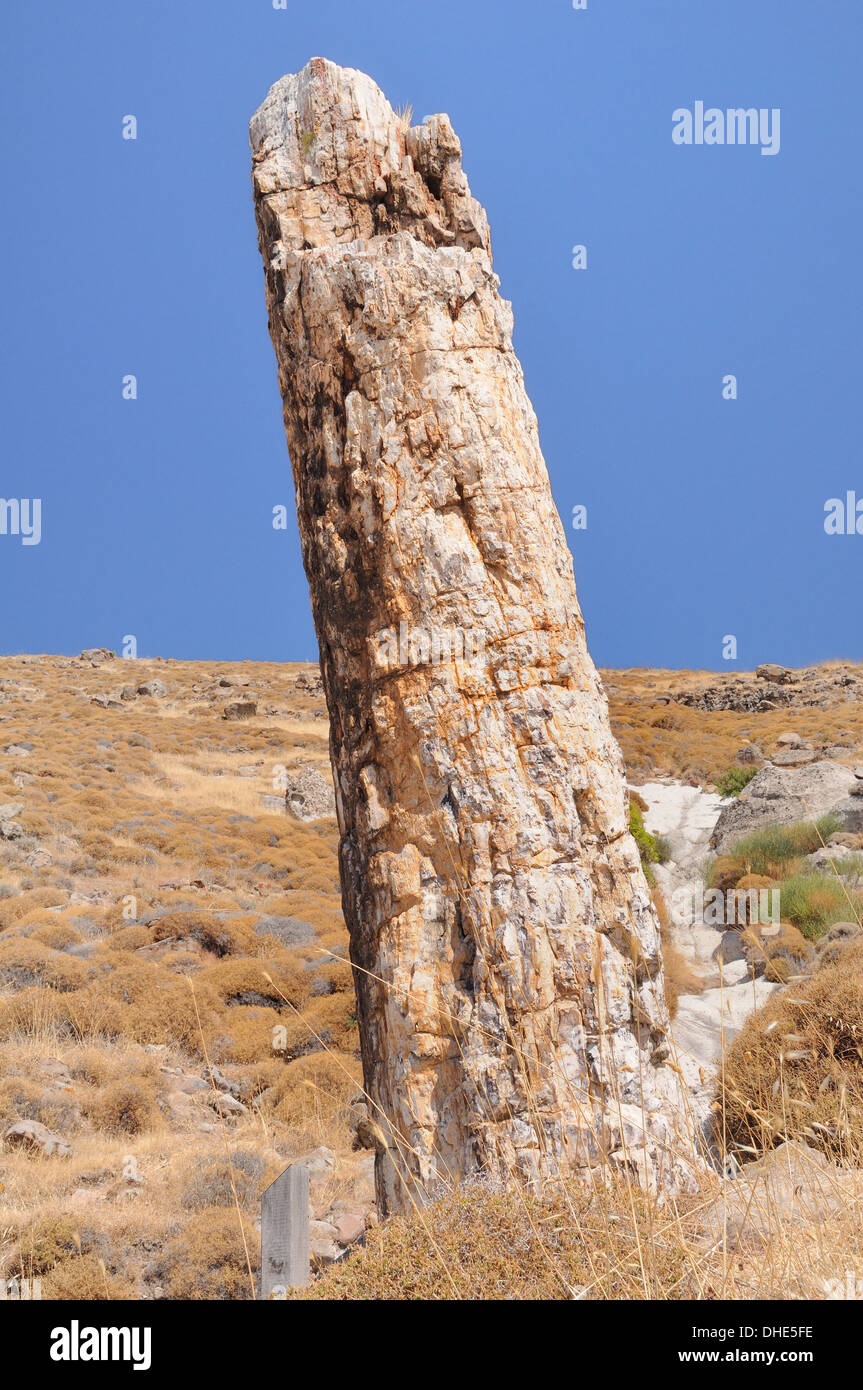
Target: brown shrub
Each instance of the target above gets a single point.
(56, 935)
(779, 954)
(25, 962)
(41, 1245)
(125, 1107)
(33, 1013)
(726, 872)
(12, 909)
(139, 1001)
(207, 1260)
(481, 1244)
(680, 978)
(84, 1278)
(795, 1071)
(233, 937)
(317, 1087)
(246, 1034)
(213, 1182)
(249, 980)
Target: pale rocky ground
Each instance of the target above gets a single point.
(704, 1023)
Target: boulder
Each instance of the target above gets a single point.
(105, 701)
(10, 829)
(349, 1226)
(793, 757)
(781, 796)
(769, 672)
(97, 655)
(156, 688)
(36, 1138)
(320, 1162)
(309, 796)
(850, 812)
(792, 1185)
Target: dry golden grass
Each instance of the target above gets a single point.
(796, 1069)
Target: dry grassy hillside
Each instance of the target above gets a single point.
(159, 910)
(693, 724)
(173, 988)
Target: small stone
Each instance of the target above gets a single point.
(349, 1228)
(226, 1105)
(319, 1162)
(324, 1252)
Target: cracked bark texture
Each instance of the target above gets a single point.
(507, 956)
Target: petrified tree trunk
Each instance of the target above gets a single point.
(506, 953)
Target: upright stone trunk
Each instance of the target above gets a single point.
(506, 952)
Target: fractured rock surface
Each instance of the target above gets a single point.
(506, 952)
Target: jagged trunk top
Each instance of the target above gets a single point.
(509, 979)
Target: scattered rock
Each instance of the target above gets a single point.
(750, 753)
(36, 1138)
(320, 1162)
(97, 655)
(10, 828)
(157, 688)
(324, 1252)
(291, 931)
(105, 701)
(187, 1085)
(227, 1105)
(349, 1227)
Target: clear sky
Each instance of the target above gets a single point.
(705, 515)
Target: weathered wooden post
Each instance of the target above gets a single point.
(285, 1232)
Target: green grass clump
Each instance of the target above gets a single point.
(732, 782)
(850, 866)
(654, 849)
(778, 845)
(813, 902)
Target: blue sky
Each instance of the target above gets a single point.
(705, 516)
